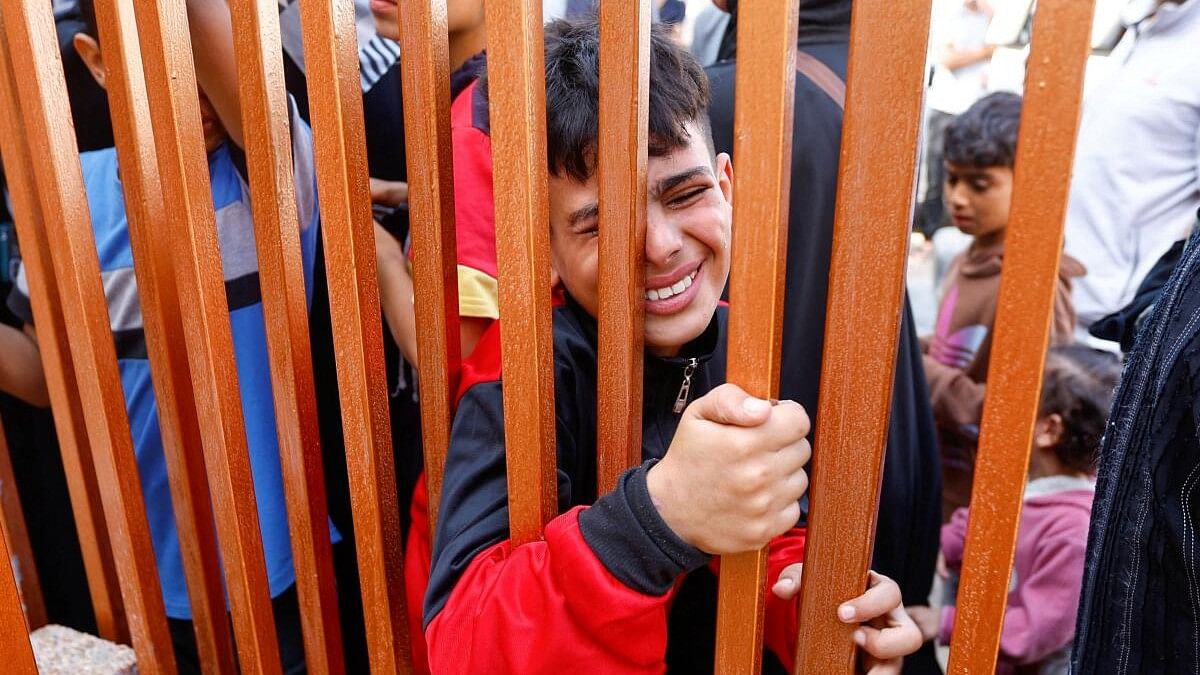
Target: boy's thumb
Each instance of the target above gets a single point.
(729, 404)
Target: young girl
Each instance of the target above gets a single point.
(1039, 623)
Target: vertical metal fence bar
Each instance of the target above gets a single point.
(59, 369)
(517, 83)
(426, 78)
(331, 56)
(29, 27)
(127, 97)
(1033, 244)
(15, 650)
(866, 286)
(183, 172)
(765, 96)
(268, 144)
(20, 550)
(624, 129)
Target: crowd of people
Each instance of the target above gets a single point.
(625, 581)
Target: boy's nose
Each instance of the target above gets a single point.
(663, 242)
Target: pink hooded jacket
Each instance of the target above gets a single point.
(1047, 573)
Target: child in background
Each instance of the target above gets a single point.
(1039, 624)
(212, 41)
(980, 148)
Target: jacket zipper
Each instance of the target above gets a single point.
(681, 399)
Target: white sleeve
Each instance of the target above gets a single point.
(303, 167)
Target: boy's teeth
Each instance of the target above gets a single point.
(675, 289)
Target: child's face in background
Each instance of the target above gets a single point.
(461, 15)
(89, 52)
(214, 130)
(689, 213)
(978, 198)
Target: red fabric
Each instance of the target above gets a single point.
(418, 556)
(474, 216)
(547, 607)
(551, 606)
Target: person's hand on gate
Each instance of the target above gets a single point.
(733, 476)
(886, 633)
(392, 193)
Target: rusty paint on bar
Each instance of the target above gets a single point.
(1033, 244)
(29, 27)
(59, 369)
(20, 550)
(866, 286)
(517, 81)
(426, 79)
(765, 96)
(16, 652)
(268, 143)
(183, 172)
(160, 304)
(624, 122)
(331, 55)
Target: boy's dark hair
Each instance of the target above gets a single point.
(87, 14)
(1078, 385)
(679, 95)
(986, 134)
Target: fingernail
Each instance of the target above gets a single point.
(846, 613)
(787, 582)
(755, 405)
(860, 638)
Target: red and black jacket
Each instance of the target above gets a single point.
(610, 588)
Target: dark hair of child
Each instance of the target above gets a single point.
(679, 96)
(1078, 385)
(87, 13)
(986, 134)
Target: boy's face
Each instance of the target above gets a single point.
(89, 52)
(978, 198)
(460, 15)
(689, 213)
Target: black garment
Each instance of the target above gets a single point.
(906, 542)
(286, 607)
(1140, 607)
(1121, 326)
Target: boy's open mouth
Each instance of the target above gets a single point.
(674, 294)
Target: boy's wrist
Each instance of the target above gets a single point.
(631, 539)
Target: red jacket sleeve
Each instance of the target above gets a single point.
(547, 607)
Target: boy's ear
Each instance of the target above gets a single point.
(1048, 431)
(89, 51)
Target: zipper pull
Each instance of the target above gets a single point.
(681, 399)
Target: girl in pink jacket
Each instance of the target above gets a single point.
(1043, 597)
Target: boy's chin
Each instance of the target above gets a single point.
(666, 335)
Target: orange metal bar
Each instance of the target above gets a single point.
(183, 172)
(516, 75)
(426, 80)
(29, 27)
(59, 369)
(15, 650)
(866, 285)
(160, 304)
(766, 79)
(268, 145)
(331, 56)
(1033, 243)
(624, 122)
(20, 551)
